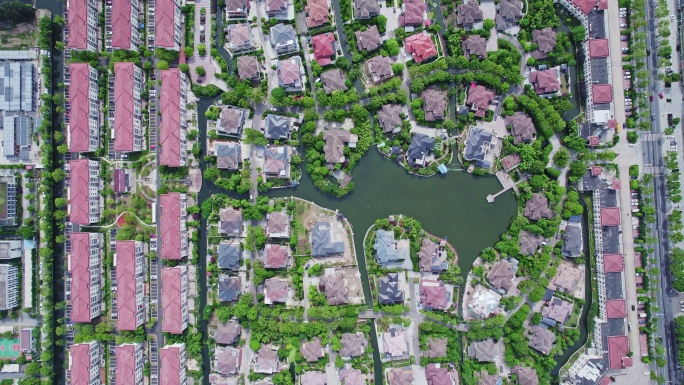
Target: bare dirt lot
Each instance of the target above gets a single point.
(20, 37)
(309, 214)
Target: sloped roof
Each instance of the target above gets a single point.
(79, 100)
(484, 378)
(228, 332)
(363, 9)
(502, 274)
(266, 360)
(438, 375)
(230, 221)
(77, 21)
(610, 216)
(248, 67)
(616, 308)
(435, 104)
(79, 267)
(413, 13)
(598, 48)
(229, 255)
(421, 146)
(170, 365)
(389, 117)
(229, 288)
(228, 155)
(170, 226)
(323, 47)
(277, 222)
(125, 106)
(545, 82)
(436, 347)
(317, 13)
(312, 350)
(613, 263)
(79, 187)
(526, 375)
(335, 289)
(333, 80)
(127, 284)
(334, 144)
(121, 24)
(237, 6)
(474, 45)
(433, 294)
(585, 5)
(395, 343)
(428, 255)
(227, 360)
(230, 120)
(276, 289)
(389, 292)
(618, 349)
(602, 93)
(387, 249)
(573, 240)
(275, 6)
(545, 40)
(79, 363)
(353, 344)
(484, 351)
(276, 126)
(173, 294)
(529, 242)
(288, 71)
(558, 310)
(541, 339)
(522, 127)
(380, 67)
(165, 14)
(400, 376)
(126, 364)
(469, 13)
(170, 125)
(351, 377)
(276, 256)
(420, 46)
(538, 207)
(510, 10)
(479, 98)
(368, 40)
(314, 378)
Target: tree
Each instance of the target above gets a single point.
(561, 158)
(16, 12)
(392, 47)
(162, 65)
(632, 136)
(488, 24)
(200, 71)
(579, 33)
(253, 136)
(185, 68)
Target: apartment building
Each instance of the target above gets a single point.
(168, 21)
(8, 191)
(174, 299)
(82, 25)
(172, 365)
(9, 278)
(128, 85)
(11, 249)
(84, 292)
(83, 112)
(130, 364)
(83, 191)
(173, 126)
(124, 25)
(129, 262)
(173, 233)
(84, 364)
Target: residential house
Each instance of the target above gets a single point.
(240, 38)
(278, 224)
(353, 345)
(474, 46)
(230, 221)
(277, 9)
(400, 376)
(290, 74)
(83, 117)
(420, 46)
(324, 48)
(421, 151)
(484, 351)
(529, 242)
(573, 244)
(522, 127)
(334, 286)
(351, 377)
(128, 130)
(314, 378)
(431, 258)
(312, 350)
(277, 127)
(130, 363)
(388, 250)
(82, 25)
(276, 256)
(237, 9)
(365, 9)
(231, 121)
(508, 13)
(333, 80)
(538, 207)
(436, 347)
(483, 302)
(228, 155)
(227, 360)
(435, 104)
(84, 363)
(510, 162)
(568, 278)
(174, 301)
(129, 263)
(277, 163)
(389, 292)
(484, 378)
(284, 39)
(173, 124)
(228, 333)
(167, 24)
(379, 69)
(229, 288)
(85, 277)
(480, 147)
(173, 233)
(368, 40)
(413, 13)
(545, 82)
(395, 344)
(317, 13)
(541, 339)
(229, 255)
(248, 68)
(266, 360)
(501, 276)
(434, 295)
(437, 375)
(556, 311)
(526, 375)
(334, 144)
(469, 14)
(545, 39)
(83, 191)
(172, 361)
(276, 290)
(390, 118)
(479, 99)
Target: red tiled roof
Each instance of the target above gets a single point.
(612, 263)
(616, 308)
(598, 48)
(79, 123)
(170, 247)
(121, 24)
(323, 47)
(288, 72)
(585, 5)
(618, 348)
(77, 21)
(413, 12)
(595, 170)
(594, 141)
(615, 185)
(172, 292)
(421, 47)
(170, 365)
(79, 364)
(125, 364)
(545, 82)
(605, 381)
(79, 189)
(276, 256)
(612, 123)
(317, 13)
(79, 267)
(603, 5)
(434, 295)
(602, 93)
(169, 130)
(610, 216)
(123, 114)
(165, 23)
(126, 282)
(119, 180)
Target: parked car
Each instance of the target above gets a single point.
(660, 95)
(650, 98)
(672, 18)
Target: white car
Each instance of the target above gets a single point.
(672, 18)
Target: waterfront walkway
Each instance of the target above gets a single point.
(507, 184)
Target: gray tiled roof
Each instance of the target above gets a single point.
(389, 292)
(573, 244)
(322, 244)
(333, 80)
(229, 255)
(276, 127)
(476, 146)
(421, 145)
(227, 155)
(386, 249)
(228, 288)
